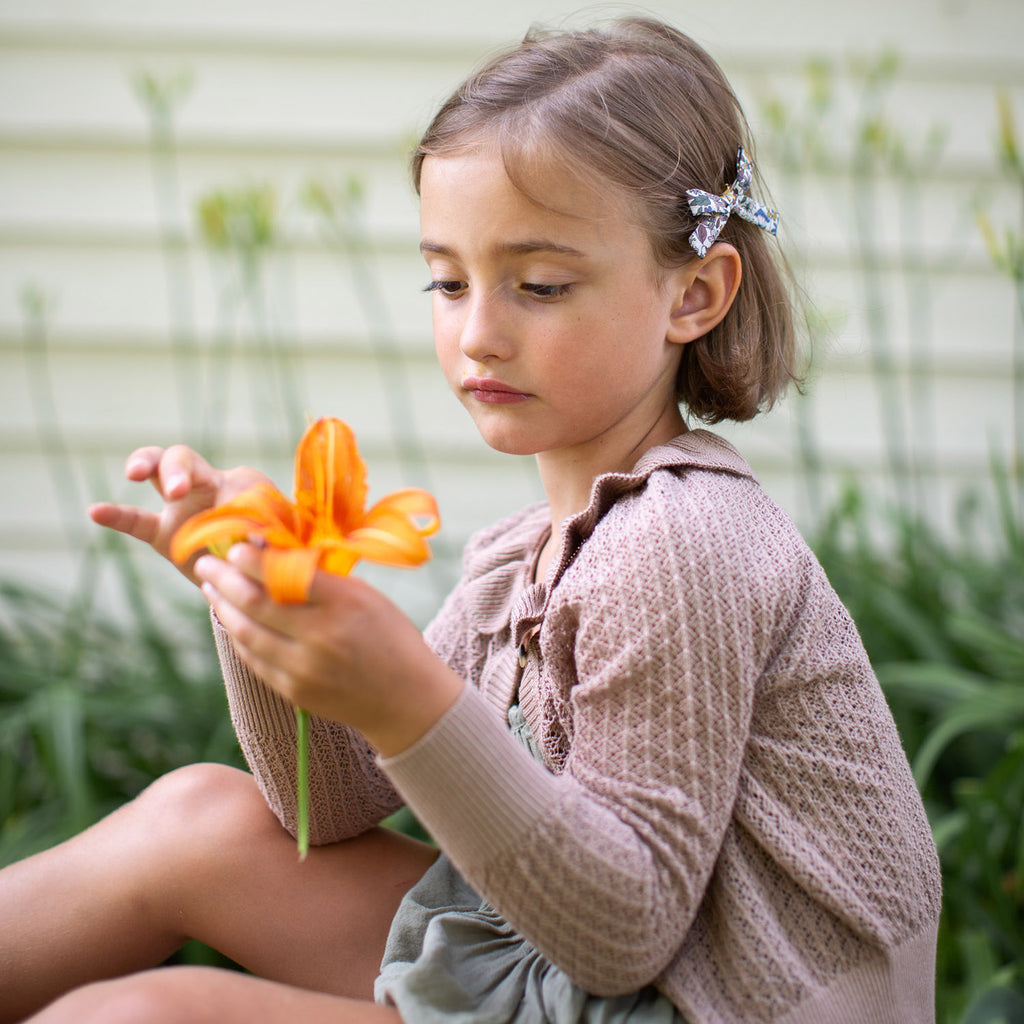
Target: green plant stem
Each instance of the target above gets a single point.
(1018, 366)
(302, 793)
(161, 99)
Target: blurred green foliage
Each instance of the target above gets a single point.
(943, 622)
(93, 708)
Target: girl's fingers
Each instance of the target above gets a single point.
(142, 463)
(237, 582)
(246, 558)
(253, 643)
(240, 594)
(135, 522)
(173, 471)
(251, 618)
(180, 469)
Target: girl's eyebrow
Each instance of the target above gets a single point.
(528, 247)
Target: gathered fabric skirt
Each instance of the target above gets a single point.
(452, 959)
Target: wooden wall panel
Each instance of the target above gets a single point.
(144, 325)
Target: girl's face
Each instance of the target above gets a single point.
(550, 326)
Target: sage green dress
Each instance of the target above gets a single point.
(452, 959)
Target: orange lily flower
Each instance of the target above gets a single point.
(326, 527)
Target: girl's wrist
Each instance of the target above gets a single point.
(436, 692)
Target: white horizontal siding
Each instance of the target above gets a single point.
(978, 30)
(139, 338)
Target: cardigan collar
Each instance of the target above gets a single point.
(499, 562)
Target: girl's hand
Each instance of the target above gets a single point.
(187, 483)
(348, 654)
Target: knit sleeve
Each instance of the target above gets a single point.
(348, 792)
(657, 644)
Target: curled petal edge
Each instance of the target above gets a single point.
(410, 503)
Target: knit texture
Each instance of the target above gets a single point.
(725, 807)
(348, 793)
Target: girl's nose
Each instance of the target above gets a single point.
(484, 333)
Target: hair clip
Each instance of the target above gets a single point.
(714, 211)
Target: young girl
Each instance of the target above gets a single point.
(643, 731)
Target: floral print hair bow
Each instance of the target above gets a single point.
(714, 211)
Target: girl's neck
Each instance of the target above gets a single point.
(568, 474)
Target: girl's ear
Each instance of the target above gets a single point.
(705, 290)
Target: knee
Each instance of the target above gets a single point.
(128, 1000)
(202, 800)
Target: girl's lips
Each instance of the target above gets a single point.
(484, 389)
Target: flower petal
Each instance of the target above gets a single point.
(389, 540)
(330, 477)
(389, 534)
(261, 511)
(385, 548)
(288, 573)
(338, 559)
(207, 531)
(414, 503)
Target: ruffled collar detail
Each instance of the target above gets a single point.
(499, 561)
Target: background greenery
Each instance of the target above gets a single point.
(93, 705)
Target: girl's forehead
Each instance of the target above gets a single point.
(537, 182)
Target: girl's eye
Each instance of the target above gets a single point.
(547, 291)
(449, 288)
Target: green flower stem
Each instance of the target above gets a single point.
(302, 796)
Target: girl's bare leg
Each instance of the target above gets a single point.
(199, 855)
(204, 995)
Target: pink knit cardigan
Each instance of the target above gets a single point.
(725, 809)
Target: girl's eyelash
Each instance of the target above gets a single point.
(547, 291)
(540, 291)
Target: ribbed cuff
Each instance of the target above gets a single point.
(255, 708)
(895, 988)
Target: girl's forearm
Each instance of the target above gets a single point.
(350, 793)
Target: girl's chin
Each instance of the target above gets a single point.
(509, 446)
(508, 442)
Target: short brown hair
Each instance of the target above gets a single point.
(643, 107)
